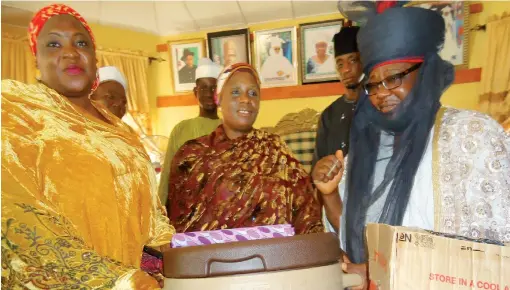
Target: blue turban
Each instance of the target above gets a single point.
(400, 34)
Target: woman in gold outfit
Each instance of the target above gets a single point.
(79, 196)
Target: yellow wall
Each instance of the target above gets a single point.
(461, 96)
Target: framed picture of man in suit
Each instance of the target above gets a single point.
(184, 56)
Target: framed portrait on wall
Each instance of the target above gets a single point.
(456, 17)
(318, 51)
(276, 57)
(184, 56)
(229, 47)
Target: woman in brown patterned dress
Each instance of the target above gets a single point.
(239, 176)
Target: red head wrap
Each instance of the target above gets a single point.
(44, 15)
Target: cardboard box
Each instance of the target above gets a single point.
(403, 258)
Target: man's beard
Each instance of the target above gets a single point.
(353, 86)
(357, 84)
(209, 108)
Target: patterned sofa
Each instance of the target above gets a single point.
(298, 131)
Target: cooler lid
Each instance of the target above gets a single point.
(277, 254)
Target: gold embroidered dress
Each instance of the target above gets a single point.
(79, 196)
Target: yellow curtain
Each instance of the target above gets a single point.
(17, 61)
(134, 66)
(495, 93)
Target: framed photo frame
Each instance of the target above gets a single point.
(184, 56)
(317, 51)
(276, 57)
(229, 47)
(456, 16)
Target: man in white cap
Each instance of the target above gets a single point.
(112, 90)
(207, 121)
(276, 67)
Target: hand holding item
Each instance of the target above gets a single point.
(328, 172)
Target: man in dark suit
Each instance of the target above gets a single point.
(335, 122)
(187, 72)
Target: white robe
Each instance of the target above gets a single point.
(274, 63)
(327, 67)
(420, 210)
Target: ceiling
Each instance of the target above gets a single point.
(174, 17)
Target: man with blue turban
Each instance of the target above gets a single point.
(412, 161)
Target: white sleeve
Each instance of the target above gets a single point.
(341, 190)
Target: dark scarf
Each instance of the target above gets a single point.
(411, 122)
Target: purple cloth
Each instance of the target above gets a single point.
(231, 235)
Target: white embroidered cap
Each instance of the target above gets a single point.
(207, 69)
(111, 73)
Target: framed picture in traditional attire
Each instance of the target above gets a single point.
(229, 47)
(317, 51)
(276, 57)
(184, 56)
(456, 17)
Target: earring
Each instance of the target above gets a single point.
(37, 74)
(95, 84)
